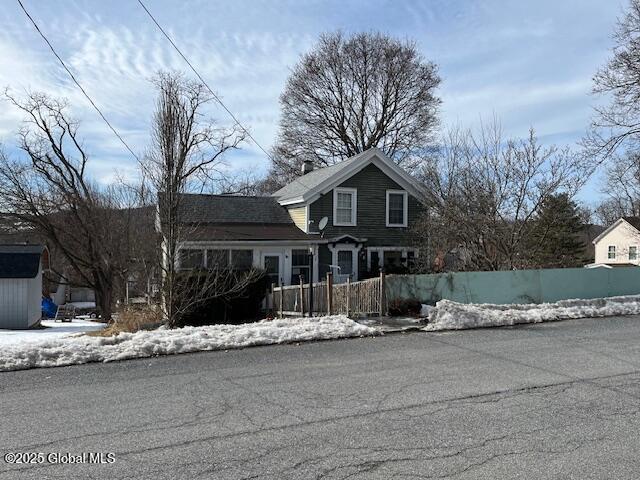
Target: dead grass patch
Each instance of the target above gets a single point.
(131, 320)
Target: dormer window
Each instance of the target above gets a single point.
(397, 207)
(345, 207)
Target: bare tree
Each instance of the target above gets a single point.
(621, 188)
(90, 226)
(617, 123)
(353, 93)
(186, 156)
(484, 193)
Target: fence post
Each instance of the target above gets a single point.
(281, 300)
(272, 307)
(329, 292)
(302, 295)
(348, 294)
(383, 309)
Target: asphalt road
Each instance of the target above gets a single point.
(558, 400)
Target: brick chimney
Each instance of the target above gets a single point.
(307, 166)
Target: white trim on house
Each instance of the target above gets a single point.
(354, 207)
(250, 243)
(405, 207)
(281, 264)
(372, 156)
(355, 252)
(291, 201)
(260, 250)
(381, 250)
(613, 226)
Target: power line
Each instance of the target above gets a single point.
(76, 81)
(203, 81)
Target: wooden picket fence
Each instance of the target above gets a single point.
(365, 297)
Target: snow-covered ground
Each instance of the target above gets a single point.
(449, 315)
(54, 330)
(75, 350)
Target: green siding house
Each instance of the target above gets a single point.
(370, 205)
(354, 216)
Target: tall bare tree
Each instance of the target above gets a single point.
(617, 122)
(89, 225)
(353, 93)
(186, 156)
(484, 193)
(621, 188)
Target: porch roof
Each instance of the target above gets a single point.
(248, 232)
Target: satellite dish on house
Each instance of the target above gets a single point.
(323, 223)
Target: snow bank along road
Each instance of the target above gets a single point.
(550, 400)
(45, 348)
(72, 350)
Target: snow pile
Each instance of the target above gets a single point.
(449, 315)
(426, 310)
(84, 349)
(53, 330)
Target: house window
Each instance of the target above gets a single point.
(344, 206)
(392, 259)
(345, 262)
(411, 259)
(191, 258)
(396, 208)
(299, 266)
(375, 262)
(611, 253)
(217, 259)
(242, 259)
(272, 268)
(633, 253)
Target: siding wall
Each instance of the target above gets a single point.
(372, 185)
(34, 299)
(299, 217)
(622, 237)
(20, 301)
(13, 303)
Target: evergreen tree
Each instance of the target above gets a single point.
(556, 238)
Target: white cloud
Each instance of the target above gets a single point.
(529, 62)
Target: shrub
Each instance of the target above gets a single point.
(240, 308)
(404, 307)
(132, 319)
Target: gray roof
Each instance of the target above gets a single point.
(302, 184)
(247, 232)
(20, 261)
(200, 208)
(235, 218)
(634, 221)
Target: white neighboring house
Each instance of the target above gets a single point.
(619, 245)
(20, 285)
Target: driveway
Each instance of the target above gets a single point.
(557, 400)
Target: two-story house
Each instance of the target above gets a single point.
(354, 217)
(619, 244)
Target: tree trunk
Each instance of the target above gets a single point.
(104, 300)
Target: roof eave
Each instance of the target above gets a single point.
(613, 226)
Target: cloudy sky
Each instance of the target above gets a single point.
(529, 63)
